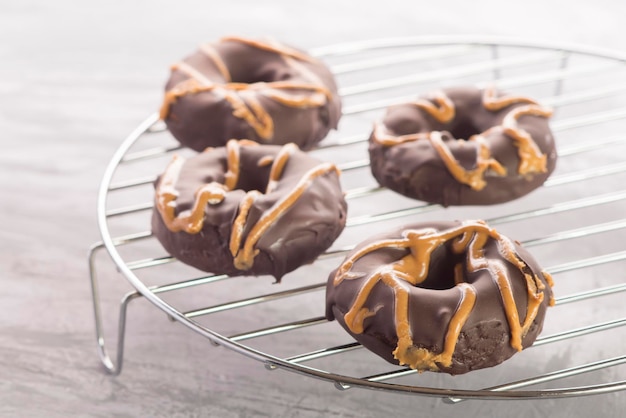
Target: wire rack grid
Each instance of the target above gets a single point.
(574, 225)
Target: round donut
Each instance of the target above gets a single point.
(242, 88)
(446, 297)
(464, 146)
(248, 209)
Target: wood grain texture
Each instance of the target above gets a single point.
(75, 79)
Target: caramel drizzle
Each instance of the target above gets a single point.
(271, 46)
(442, 109)
(278, 165)
(244, 257)
(191, 72)
(242, 96)
(492, 102)
(475, 178)
(531, 158)
(210, 51)
(412, 269)
(192, 221)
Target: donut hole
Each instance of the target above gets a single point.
(441, 269)
(264, 73)
(253, 178)
(464, 128)
(274, 72)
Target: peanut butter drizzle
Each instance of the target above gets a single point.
(474, 178)
(191, 72)
(271, 46)
(233, 167)
(210, 51)
(548, 277)
(265, 161)
(494, 103)
(412, 269)
(190, 221)
(239, 223)
(389, 140)
(184, 88)
(423, 359)
(278, 165)
(247, 107)
(442, 110)
(213, 193)
(443, 113)
(242, 96)
(244, 258)
(531, 158)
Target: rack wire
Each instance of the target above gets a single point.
(574, 225)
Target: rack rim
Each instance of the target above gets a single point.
(273, 362)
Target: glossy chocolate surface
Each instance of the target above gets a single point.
(402, 293)
(301, 213)
(505, 152)
(259, 90)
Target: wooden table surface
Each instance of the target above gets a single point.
(75, 79)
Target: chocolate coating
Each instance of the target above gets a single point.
(262, 91)
(295, 235)
(415, 168)
(368, 290)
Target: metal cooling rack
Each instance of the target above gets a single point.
(574, 225)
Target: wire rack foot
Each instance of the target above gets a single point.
(111, 367)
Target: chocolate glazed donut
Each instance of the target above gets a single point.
(447, 297)
(464, 146)
(242, 88)
(248, 209)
